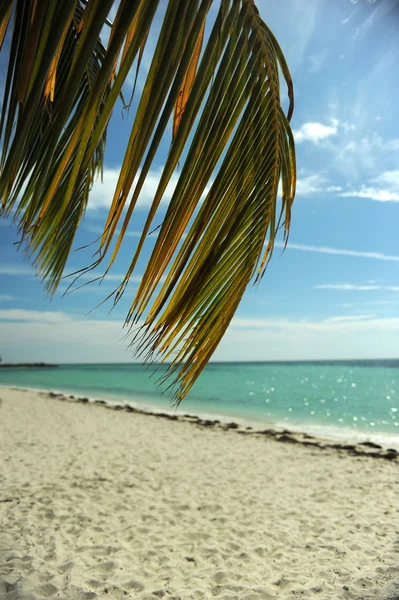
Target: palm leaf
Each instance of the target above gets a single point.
(230, 137)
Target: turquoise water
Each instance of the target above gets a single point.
(352, 399)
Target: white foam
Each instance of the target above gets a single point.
(347, 434)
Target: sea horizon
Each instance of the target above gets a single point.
(321, 361)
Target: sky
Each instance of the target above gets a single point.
(334, 292)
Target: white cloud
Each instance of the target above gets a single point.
(62, 337)
(347, 287)
(26, 270)
(310, 184)
(316, 132)
(361, 322)
(339, 251)
(333, 188)
(383, 188)
(384, 302)
(102, 193)
(152, 235)
(89, 276)
(295, 340)
(354, 287)
(350, 318)
(355, 154)
(6, 298)
(16, 314)
(371, 193)
(357, 322)
(92, 289)
(100, 230)
(57, 337)
(19, 270)
(389, 178)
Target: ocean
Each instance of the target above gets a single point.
(353, 400)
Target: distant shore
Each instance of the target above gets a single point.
(37, 365)
(96, 503)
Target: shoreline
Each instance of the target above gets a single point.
(224, 423)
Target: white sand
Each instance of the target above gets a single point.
(96, 503)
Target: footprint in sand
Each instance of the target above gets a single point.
(47, 590)
(135, 585)
(106, 567)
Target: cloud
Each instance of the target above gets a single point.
(91, 275)
(357, 322)
(383, 188)
(16, 314)
(358, 288)
(354, 154)
(389, 178)
(61, 337)
(347, 287)
(310, 184)
(92, 289)
(379, 195)
(102, 193)
(384, 302)
(109, 277)
(19, 270)
(316, 132)
(350, 318)
(339, 251)
(26, 270)
(57, 337)
(100, 230)
(6, 298)
(333, 188)
(336, 322)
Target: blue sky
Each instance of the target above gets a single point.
(334, 293)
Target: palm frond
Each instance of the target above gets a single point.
(229, 133)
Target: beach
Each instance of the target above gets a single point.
(103, 503)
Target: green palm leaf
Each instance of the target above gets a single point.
(230, 137)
